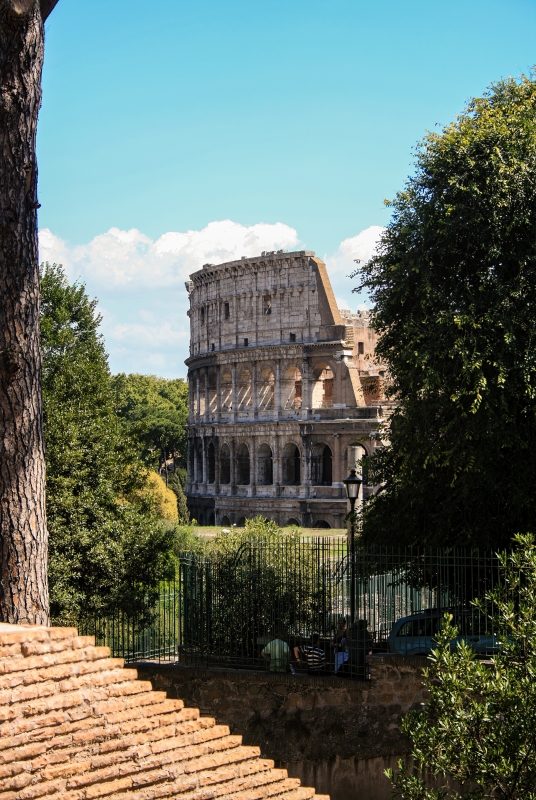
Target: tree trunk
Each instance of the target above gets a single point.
(23, 542)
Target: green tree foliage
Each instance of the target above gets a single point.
(107, 549)
(478, 730)
(154, 411)
(454, 288)
(175, 484)
(256, 581)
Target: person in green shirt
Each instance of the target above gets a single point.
(277, 652)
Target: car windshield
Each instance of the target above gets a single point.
(420, 626)
(468, 624)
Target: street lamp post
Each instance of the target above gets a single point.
(352, 485)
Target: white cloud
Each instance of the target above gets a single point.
(360, 247)
(130, 260)
(140, 282)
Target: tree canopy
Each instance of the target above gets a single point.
(107, 548)
(154, 411)
(454, 288)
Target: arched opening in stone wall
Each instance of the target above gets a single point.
(244, 389)
(226, 391)
(321, 465)
(201, 394)
(225, 522)
(241, 523)
(199, 459)
(211, 463)
(225, 464)
(292, 522)
(242, 465)
(323, 387)
(211, 519)
(266, 389)
(265, 470)
(321, 523)
(356, 458)
(212, 393)
(291, 463)
(292, 388)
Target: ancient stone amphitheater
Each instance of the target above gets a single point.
(75, 725)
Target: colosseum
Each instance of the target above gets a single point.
(282, 383)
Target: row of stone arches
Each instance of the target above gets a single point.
(291, 389)
(291, 467)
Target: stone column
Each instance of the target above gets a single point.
(191, 395)
(235, 389)
(337, 467)
(216, 441)
(218, 392)
(307, 449)
(254, 390)
(197, 393)
(256, 310)
(194, 459)
(207, 404)
(276, 466)
(232, 448)
(278, 410)
(204, 461)
(253, 466)
(307, 389)
(190, 467)
(337, 384)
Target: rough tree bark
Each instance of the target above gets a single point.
(23, 533)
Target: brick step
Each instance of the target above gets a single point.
(168, 789)
(31, 641)
(40, 754)
(220, 783)
(187, 759)
(77, 782)
(19, 730)
(269, 783)
(76, 725)
(86, 652)
(282, 788)
(100, 674)
(110, 739)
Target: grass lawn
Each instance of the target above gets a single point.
(213, 530)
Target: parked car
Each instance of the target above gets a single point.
(414, 635)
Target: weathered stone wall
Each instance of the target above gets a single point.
(343, 732)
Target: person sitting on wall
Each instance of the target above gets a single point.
(360, 644)
(277, 653)
(339, 644)
(313, 655)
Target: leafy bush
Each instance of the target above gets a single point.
(478, 730)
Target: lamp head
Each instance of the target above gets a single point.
(352, 484)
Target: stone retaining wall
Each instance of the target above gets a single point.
(342, 732)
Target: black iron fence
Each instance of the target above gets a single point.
(284, 603)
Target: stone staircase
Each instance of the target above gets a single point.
(75, 725)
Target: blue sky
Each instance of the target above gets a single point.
(162, 119)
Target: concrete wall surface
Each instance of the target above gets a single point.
(336, 733)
